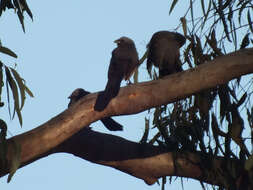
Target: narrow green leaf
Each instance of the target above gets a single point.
(245, 41)
(7, 51)
(1, 79)
(144, 138)
(242, 100)
(15, 94)
(184, 25)
(19, 13)
(173, 5)
(26, 8)
(28, 91)
(192, 16)
(21, 86)
(250, 22)
(15, 160)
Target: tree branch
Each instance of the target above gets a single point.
(130, 100)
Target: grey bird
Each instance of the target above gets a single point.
(108, 122)
(163, 52)
(123, 63)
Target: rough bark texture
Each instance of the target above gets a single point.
(45, 139)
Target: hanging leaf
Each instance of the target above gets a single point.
(236, 128)
(173, 5)
(14, 89)
(184, 25)
(222, 16)
(242, 99)
(26, 8)
(144, 138)
(19, 13)
(7, 51)
(245, 41)
(28, 91)
(19, 80)
(249, 21)
(1, 79)
(5, 4)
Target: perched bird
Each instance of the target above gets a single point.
(123, 63)
(108, 122)
(163, 52)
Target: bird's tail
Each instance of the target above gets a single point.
(111, 125)
(104, 97)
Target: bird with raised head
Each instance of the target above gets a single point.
(163, 52)
(123, 63)
(108, 122)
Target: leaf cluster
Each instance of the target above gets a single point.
(218, 121)
(20, 6)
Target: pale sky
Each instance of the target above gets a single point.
(68, 46)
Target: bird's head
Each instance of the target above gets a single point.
(76, 95)
(124, 41)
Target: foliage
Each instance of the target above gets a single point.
(19, 6)
(216, 122)
(15, 84)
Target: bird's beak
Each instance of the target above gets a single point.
(117, 41)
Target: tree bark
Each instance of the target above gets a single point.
(45, 139)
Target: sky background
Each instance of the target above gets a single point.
(68, 46)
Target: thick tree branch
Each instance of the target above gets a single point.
(130, 100)
(144, 161)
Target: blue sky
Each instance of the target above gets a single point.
(67, 46)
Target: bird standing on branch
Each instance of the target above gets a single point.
(123, 63)
(108, 122)
(163, 52)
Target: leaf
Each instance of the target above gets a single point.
(1, 79)
(144, 138)
(154, 139)
(19, 80)
(19, 13)
(26, 8)
(249, 21)
(5, 4)
(28, 91)
(14, 89)
(236, 128)
(216, 133)
(15, 159)
(241, 10)
(184, 25)
(173, 5)
(242, 99)
(222, 17)
(7, 51)
(245, 41)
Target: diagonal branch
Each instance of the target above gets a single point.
(131, 100)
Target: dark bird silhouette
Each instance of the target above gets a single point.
(108, 122)
(163, 52)
(123, 63)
